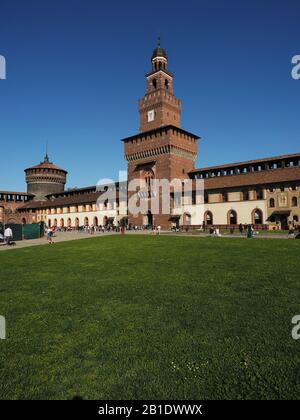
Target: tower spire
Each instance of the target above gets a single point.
(46, 158)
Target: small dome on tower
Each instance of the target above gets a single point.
(159, 51)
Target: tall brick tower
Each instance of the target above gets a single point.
(161, 150)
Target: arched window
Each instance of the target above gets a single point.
(62, 223)
(55, 223)
(232, 217)
(23, 221)
(294, 202)
(208, 217)
(76, 222)
(188, 218)
(95, 221)
(166, 83)
(69, 222)
(272, 202)
(159, 64)
(154, 83)
(86, 221)
(257, 217)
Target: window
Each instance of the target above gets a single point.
(166, 84)
(208, 218)
(245, 195)
(272, 203)
(294, 202)
(154, 83)
(257, 217)
(232, 217)
(259, 194)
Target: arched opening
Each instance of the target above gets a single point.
(95, 221)
(257, 217)
(105, 220)
(167, 84)
(69, 222)
(77, 222)
(23, 221)
(294, 202)
(62, 223)
(159, 65)
(49, 223)
(272, 203)
(208, 218)
(55, 223)
(86, 221)
(187, 218)
(232, 217)
(154, 83)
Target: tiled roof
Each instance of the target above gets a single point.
(253, 178)
(63, 201)
(247, 163)
(46, 165)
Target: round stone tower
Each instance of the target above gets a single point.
(45, 178)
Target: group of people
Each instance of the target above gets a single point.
(247, 229)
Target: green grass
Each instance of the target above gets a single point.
(147, 317)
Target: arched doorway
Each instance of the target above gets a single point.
(69, 223)
(62, 223)
(86, 221)
(232, 217)
(95, 221)
(208, 218)
(257, 217)
(105, 220)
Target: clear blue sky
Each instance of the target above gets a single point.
(75, 70)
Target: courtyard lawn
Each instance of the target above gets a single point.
(148, 317)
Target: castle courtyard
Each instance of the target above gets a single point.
(145, 317)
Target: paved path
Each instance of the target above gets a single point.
(71, 236)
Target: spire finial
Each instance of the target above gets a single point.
(46, 159)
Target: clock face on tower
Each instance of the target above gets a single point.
(151, 115)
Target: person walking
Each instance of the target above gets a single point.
(49, 236)
(241, 229)
(8, 235)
